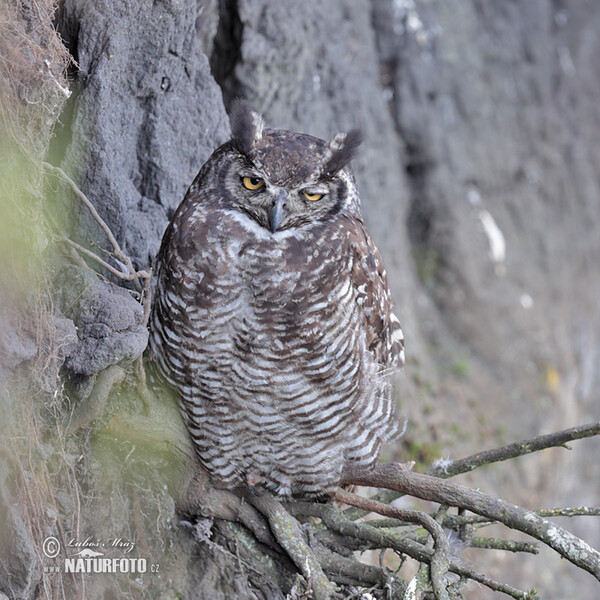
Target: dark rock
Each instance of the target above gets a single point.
(108, 321)
(21, 570)
(147, 113)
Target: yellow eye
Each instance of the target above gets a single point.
(252, 183)
(312, 197)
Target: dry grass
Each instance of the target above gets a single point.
(33, 91)
(33, 64)
(95, 481)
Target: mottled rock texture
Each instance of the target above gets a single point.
(107, 318)
(478, 176)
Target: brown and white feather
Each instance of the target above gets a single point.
(279, 344)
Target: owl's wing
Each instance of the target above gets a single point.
(384, 334)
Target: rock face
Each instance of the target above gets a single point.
(478, 177)
(108, 321)
(21, 567)
(16, 346)
(146, 112)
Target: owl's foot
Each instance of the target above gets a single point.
(254, 483)
(322, 498)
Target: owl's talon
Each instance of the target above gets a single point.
(253, 482)
(256, 491)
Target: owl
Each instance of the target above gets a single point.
(271, 315)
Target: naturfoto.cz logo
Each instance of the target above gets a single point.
(89, 560)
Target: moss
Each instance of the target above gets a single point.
(428, 265)
(460, 368)
(422, 452)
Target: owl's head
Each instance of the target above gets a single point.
(283, 179)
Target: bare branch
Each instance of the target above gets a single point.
(455, 521)
(336, 521)
(201, 497)
(580, 511)
(351, 571)
(439, 561)
(394, 476)
(129, 276)
(491, 583)
(119, 254)
(287, 531)
(500, 544)
(146, 297)
(541, 442)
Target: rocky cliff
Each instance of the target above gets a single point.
(479, 182)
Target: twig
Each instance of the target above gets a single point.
(455, 521)
(500, 544)
(395, 477)
(201, 497)
(491, 583)
(147, 297)
(349, 570)
(336, 521)
(541, 442)
(388, 523)
(439, 561)
(287, 532)
(119, 254)
(580, 511)
(131, 276)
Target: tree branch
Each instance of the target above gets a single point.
(439, 561)
(287, 532)
(119, 254)
(393, 476)
(337, 522)
(130, 274)
(126, 276)
(445, 469)
(500, 544)
(580, 511)
(201, 497)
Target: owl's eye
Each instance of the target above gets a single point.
(312, 197)
(252, 183)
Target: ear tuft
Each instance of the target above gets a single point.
(246, 125)
(344, 147)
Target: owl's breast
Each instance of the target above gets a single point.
(265, 339)
(293, 282)
(275, 302)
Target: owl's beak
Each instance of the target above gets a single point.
(276, 212)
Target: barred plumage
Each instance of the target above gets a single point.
(272, 313)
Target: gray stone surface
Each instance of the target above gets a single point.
(16, 346)
(20, 571)
(146, 113)
(107, 318)
(484, 99)
(478, 177)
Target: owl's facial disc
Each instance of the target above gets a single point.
(279, 205)
(287, 208)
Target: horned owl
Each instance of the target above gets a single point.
(272, 314)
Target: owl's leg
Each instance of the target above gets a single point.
(322, 498)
